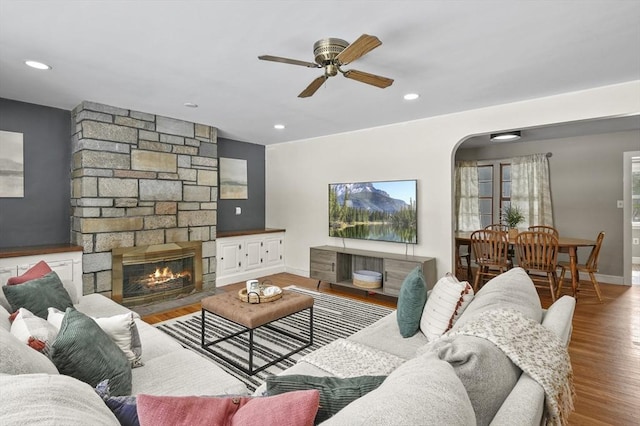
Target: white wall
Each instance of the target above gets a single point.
(297, 173)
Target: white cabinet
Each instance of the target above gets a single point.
(67, 264)
(244, 257)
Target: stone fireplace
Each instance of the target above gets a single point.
(148, 274)
(140, 180)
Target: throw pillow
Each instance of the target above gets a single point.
(486, 372)
(18, 358)
(30, 329)
(43, 399)
(335, 393)
(294, 408)
(84, 351)
(122, 329)
(123, 407)
(448, 299)
(411, 300)
(38, 270)
(510, 290)
(424, 390)
(39, 294)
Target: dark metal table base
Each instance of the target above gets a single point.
(251, 371)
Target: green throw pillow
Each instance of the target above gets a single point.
(335, 393)
(411, 301)
(38, 295)
(84, 351)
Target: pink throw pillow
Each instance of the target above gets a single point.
(296, 408)
(38, 270)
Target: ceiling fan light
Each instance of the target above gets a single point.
(506, 136)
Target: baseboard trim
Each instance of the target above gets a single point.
(248, 275)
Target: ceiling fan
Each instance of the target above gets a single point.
(331, 54)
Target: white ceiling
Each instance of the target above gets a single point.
(153, 56)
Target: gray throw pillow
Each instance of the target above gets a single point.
(486, 372)
(411, 301)
(38, 295)
(84, 351)
(335, 393)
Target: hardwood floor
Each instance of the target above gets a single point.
(604, 348)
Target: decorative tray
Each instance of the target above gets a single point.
(261, 297)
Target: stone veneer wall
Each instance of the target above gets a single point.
(140, 179)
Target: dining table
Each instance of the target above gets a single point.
(565, 244)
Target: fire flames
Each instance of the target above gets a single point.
(164, 275)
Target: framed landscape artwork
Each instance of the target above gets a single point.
(11, 165)
(233, 179)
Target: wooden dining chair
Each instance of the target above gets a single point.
(590, 267)
(463, 252)
(545, 228)
(538, 252)
(490, 252)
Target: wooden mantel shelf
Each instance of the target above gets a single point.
(224, 234)
(37, 250)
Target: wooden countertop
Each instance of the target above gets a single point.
(36, 250)
(223, 234)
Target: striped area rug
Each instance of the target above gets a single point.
(333, 318)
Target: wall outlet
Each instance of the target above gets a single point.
(238, 210)
(620, 204)
(636, 241)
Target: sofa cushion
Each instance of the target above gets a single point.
(42, 399)
(32, 330)
(335, 392)
(39, 294)
(294, 408)
(84, 351)
(448, 299)
(4, 318)
(486, 372)
(411, 300)
(422, 388)
(122, 329)
(18, 358)
(510, 290)
(38, 270)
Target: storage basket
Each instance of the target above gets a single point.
(367, 279)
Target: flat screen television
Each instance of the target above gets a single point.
(381, 211)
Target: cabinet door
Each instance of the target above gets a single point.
(323, 265)
(229, 259)
(64, 269)
(395, 271)
(7, 272)
(273, 249)
(253, 254)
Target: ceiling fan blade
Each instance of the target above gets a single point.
(288, 61)
(311, 89)
(372, 79)
(363, 45)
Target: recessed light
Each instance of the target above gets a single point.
(278, 126)
(506, 136)
(411, 96)
(190, 105)
(37, 65)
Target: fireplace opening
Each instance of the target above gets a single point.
(158, 272)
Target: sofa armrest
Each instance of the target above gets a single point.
(523, 406)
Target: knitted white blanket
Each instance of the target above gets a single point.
(346, 358)
(536, 350)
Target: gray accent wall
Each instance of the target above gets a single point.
(43, 215)
(252, 216)
(586, 182)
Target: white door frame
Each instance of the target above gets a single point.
(627, 229)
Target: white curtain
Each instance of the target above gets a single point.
(531, 189)
(466, 189)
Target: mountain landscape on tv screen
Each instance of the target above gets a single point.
(366, 196)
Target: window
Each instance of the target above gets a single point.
(494, 190)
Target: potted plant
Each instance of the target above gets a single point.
(512, 216)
